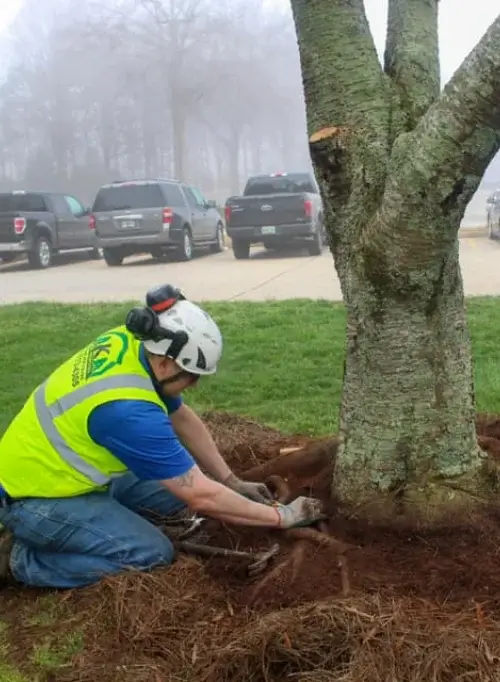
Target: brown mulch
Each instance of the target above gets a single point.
(401, 606)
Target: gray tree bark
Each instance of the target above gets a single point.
(397, 163)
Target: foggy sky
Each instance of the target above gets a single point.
(460, 28)
(461, 25)
(8, 10)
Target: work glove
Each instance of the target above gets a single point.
(258, 492)
(304, 511)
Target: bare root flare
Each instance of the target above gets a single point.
(457, 501)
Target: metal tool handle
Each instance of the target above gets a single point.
(206, 550)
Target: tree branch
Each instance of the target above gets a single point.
(412, 56)
(341, 72)
(445, 157)
(436, 169)
(346, 89)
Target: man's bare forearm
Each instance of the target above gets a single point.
(197, 439)
(215, 500)
(230, 507)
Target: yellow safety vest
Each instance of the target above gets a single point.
(47, 450)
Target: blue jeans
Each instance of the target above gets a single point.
(75, 541)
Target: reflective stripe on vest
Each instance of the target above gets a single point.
(48, 413)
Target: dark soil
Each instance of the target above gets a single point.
(401, 605)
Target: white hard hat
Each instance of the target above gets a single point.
(203, 350)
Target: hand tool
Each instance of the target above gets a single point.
(258, 560)
(191, 524)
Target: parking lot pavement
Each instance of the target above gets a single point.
(265, 276)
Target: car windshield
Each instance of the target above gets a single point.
(283, 184)
(126, 197)
(21, 202)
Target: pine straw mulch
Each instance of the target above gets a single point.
(402, 606)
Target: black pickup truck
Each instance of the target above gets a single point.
(39, 224)
(277, 210)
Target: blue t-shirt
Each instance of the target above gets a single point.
(140, 435)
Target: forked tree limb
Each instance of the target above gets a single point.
(346, 89)
(439, 163)
(412, 56)
(341, 71)
(452, 145)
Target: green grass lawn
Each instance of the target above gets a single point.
(282, 364)
(282, 361)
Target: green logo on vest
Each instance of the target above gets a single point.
(99, 357)
(106, 352)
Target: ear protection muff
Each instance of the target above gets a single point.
(144, 323)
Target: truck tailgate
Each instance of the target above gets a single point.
(269, 209)
(7, 227)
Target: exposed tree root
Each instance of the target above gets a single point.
(298, 555)
(319, 539)
(280, 488)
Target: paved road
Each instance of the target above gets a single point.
(218, 277)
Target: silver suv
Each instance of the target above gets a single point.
(154, 216)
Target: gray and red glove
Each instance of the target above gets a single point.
(258, 492)
(304, 511)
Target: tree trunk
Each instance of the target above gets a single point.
(178, 139)
(233, 146)
(397, 165)
(407, 418)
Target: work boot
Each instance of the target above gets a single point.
(6, 544)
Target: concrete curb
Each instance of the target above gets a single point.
(467, 232)
(463, 233)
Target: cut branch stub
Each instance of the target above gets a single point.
(327, 144)
(329, 148)
(325, 134)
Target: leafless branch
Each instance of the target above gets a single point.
(458, 136)
(412, 56)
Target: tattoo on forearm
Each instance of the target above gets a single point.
(186, 480)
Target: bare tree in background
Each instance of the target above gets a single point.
(194, 89)
(398, 163)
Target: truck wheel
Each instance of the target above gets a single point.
(113, 257)
(315, 247)
(241, 250)
(185, 248)
(219, 245)
(41, 256)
